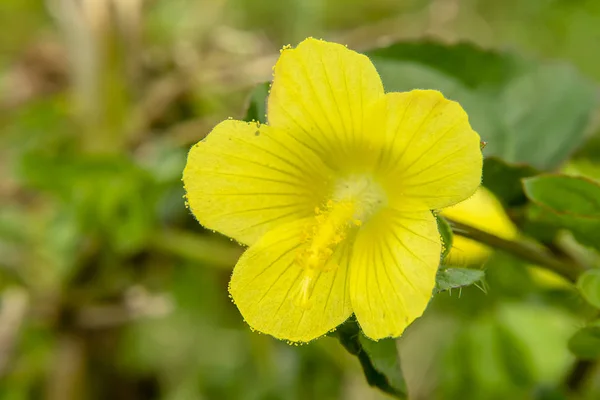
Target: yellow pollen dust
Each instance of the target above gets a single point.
(330, 228)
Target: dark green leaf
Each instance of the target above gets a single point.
(384, 356)
(446, 235)
(453, 278)
(256, 109)
(465, 62)
(379, 360)
(566, 202)
(585, 343)
(504, 180)
(589, 286)
(547, 111)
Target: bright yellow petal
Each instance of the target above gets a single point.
(267, 284)
(429, 154)
(392, 271)
(467, 252)
(323, 91)
(244, 179)
(482, 211)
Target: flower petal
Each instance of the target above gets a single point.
(267, 282)
(323, 91)
(392, 271)
(429, 151)
(245, 179)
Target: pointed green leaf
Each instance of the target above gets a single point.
(453, 278)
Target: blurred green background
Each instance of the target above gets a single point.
(111, 290)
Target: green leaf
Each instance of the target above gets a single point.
(504, 180)
(465, 62)
(589, 286)
(585, 343)
(446, 235)
(453, 278)
(384, 356)
(565, 194)
(547, 110)
(379, 360)
(256, 109)
(566, 202)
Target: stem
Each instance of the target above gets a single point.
(529, 251)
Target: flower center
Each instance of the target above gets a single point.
(353, 201)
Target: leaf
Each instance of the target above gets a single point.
(384, 356)
(256, 109)
(589, 286)
(453, 278)
(466, 62)
(379, 360)
(565, 194)
(504, 180)
(585, 343)
(547, 110)
(446, 235)
(567, 202)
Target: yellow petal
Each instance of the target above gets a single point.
(548, 279)
(245, 179)
(482, 211)
(430, 154)
(323, 91)
(392, 271)
(267, 286)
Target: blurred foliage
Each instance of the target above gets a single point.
(110, 289)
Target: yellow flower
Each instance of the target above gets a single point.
(482, 211)
(333, 196)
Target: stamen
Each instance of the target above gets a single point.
(354, 199)
(331, 227)
(306, 289)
